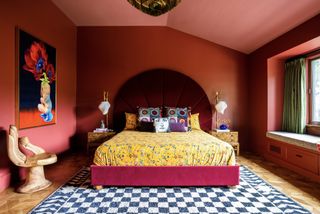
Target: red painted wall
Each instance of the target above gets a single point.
(275, 93)
(108, 56)
(45, 21)
(301, 39)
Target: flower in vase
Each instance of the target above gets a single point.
(36, 59)
(50, 73)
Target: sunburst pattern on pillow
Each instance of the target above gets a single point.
(148, 114)
(179, 115)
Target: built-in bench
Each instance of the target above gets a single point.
(302, 140)
(298, 152)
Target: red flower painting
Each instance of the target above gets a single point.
(37, 82)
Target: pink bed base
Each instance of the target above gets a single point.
(164, 175)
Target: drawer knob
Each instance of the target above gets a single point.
(299, 156)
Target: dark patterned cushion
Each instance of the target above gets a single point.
(148, 114)
(145, 126)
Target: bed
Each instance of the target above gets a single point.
(192, 158)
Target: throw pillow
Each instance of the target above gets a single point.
(180, 115)
(131, 121)
(145, 126)
(195, 124)
(161, 124)
(171, 113)
(177, 127)
(148, 114)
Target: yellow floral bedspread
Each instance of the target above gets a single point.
(195, 148)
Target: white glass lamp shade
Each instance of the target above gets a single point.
(221, 106)
(104, 107)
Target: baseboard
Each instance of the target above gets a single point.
(4, 181)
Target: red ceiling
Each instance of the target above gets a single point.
(243, 25)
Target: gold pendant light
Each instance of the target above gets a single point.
(154, 7)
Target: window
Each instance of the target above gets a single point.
(315, 90)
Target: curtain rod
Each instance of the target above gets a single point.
(305, 55)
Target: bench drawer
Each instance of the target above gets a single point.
(277, 149)
(303, 159)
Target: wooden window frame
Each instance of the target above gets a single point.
(312, 127)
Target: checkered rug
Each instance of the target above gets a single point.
(253, 195)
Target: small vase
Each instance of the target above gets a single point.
(45, 105)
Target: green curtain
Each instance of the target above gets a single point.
(294, 105)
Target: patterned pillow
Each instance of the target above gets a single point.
(161, 124)
(177, 127)
(195, 124)
(149, 114)
(131, 121)
(179, 115)
(171, 113)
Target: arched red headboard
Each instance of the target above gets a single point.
(161, 87)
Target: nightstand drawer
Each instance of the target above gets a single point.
(226, 136)
(229, 137)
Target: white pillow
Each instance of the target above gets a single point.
(161, 124)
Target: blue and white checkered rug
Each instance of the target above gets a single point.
(253, 195)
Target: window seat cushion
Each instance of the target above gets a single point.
(302, 140)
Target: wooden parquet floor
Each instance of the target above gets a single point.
(300, 189)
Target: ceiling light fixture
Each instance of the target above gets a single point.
(154, 7)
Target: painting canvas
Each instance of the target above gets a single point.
(36, 82)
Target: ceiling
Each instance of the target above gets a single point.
(243, 25)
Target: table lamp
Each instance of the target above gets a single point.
(220, 107)
(104, 106)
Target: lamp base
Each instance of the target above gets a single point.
(102, 130)
(221, 130)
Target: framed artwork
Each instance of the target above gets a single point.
(36, 82)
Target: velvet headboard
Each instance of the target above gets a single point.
(161, 87)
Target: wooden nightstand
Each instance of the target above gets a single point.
(95, 139)
(229, 137)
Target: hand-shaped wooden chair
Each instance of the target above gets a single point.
(35, 180)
